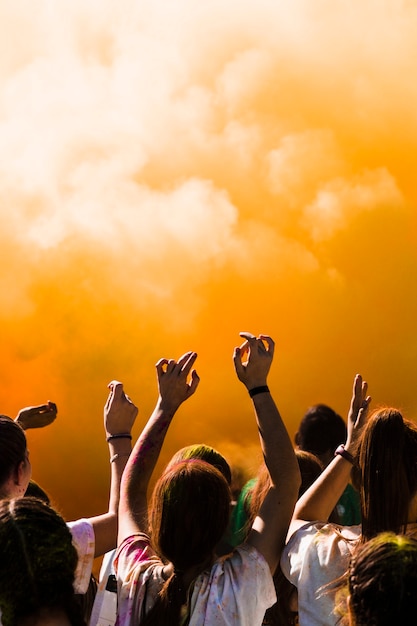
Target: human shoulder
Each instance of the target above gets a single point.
(134, 556)
(318, 544)
(139, 573)
(83, 540)
(323, 531)
(81, 528)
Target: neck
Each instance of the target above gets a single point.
(9, 489)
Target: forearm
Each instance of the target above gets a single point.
(105, 525)
(139, 469)
(271, 524)
(276, 444)
(320, 499)
(119, 450)
(174, 389)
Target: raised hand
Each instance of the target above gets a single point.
(177, 381)
(37, 416)
(253, 359)
(358, 410)
(119, 411)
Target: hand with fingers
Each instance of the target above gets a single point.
(177, 381)
(253, 360)
(37, 416)
(119, 411)
(358, 411)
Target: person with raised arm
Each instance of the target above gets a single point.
(92, 536)
(166, 565)
(318, 553)
(97, 535)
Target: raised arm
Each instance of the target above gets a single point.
(177, 381)
(319, 500)
(252, 363)
(119, 416)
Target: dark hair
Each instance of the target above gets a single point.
(383, 581)
(35, 491)
(204, 453)
(310, 469)
(320, 430)
(387, 472)
(189, 513)
(12, 447)
(37, 563)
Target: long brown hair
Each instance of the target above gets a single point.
(189, 513)
(387, 472)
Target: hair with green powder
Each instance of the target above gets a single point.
(382, 581)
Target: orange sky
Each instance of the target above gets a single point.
(173, 173)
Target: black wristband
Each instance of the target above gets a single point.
(256, 390)
(119, 436)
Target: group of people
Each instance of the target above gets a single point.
(296, 548)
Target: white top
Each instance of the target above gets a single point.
(316, 555)
(84, 542)
(104, 611)
(236, 591)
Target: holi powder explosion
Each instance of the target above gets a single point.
(172, 173)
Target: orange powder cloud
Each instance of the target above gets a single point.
(173, 173)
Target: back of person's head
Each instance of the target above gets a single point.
(321, 430)
(310, 469)
(12, 448)
(386, 475)
(189, 514)
(383, 582)
(204, 453)
(37, 563)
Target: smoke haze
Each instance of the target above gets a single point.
(172, 173)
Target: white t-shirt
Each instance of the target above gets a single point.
(317, 554)
(236, 591)
(104, 611)
(84, 542)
